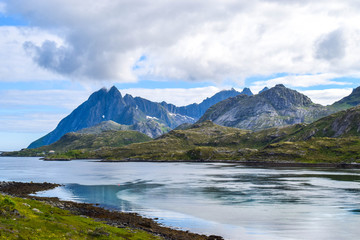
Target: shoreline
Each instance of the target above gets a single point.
(111, 217)
(255, 163)
(287, 164)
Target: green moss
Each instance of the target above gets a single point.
(316, 150)
(29, 219)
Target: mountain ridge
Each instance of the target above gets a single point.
(143, 115)
(277, 106)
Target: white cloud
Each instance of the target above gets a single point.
(193, 40)
(15, 65)
(331, 46)
(327, 96)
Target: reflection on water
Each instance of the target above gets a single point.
(231, 200)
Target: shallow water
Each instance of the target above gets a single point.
(230, 200)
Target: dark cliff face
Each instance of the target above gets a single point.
(275, 107)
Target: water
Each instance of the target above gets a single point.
(230, 200)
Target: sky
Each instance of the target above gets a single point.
(55, 53)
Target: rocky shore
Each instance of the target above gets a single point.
(113, 218)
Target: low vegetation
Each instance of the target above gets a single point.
(78, 145)
(315, 150)
(332, 139)
(29, 219)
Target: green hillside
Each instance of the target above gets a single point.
(202, 141)
(341, 124)
(77, 145)
(347, 102)
(331, 139)
(335, 138)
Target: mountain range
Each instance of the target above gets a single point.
(333, 139)
(151, 118)
(274, 107)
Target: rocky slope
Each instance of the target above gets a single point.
(278, 106)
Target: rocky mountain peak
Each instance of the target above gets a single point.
(275, 107)
(282, 97)
(264, 89)
(114, 92)
(98, 94)
(129, 100)
(247, 91)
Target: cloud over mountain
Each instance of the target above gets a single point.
(331, 46)
(192, 40)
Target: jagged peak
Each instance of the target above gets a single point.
(280, 86)
(128, 96)
(114, 92)
(264, 89)
(356, 90)
(247, 91)
(98, 94)
(289, 96)
(113, 89)
(228, 90)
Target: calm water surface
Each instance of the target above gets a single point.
(231, 200)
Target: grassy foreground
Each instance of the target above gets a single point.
(30, 219)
